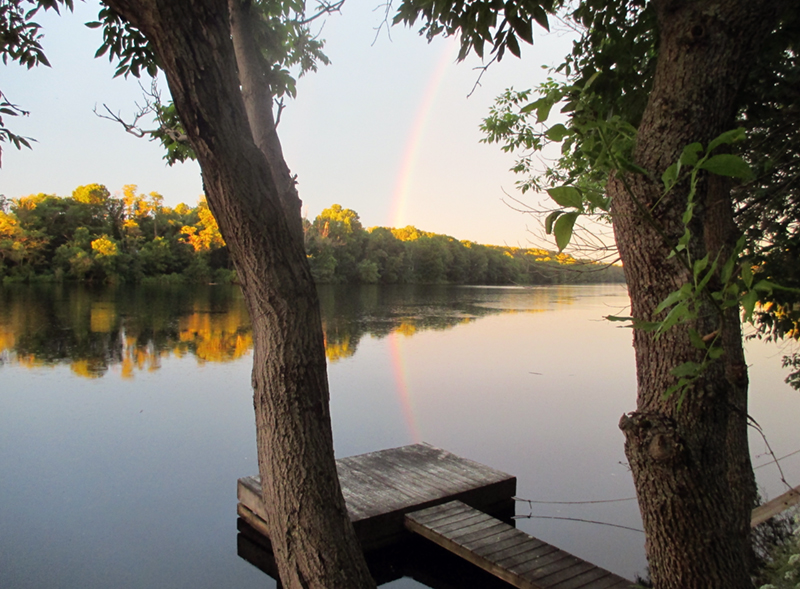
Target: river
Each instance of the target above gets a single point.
(126, 418)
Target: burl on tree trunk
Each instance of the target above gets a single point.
(691, 465)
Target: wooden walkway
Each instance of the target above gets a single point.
(517, 558)
(379, 488)
(777, 506)
(449, 500)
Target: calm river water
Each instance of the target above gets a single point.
(126, 418)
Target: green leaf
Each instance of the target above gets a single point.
(675, 296)
(540, 16)
(550, 219)
(707, 278)
(748, 302)
(690, 154)
(716, 352)
(617, 318)
(728, 137)
(726, 164)
(563, 229)
(671, 391)
(727, 269)
(566, 196)
(556, 132)
(747, 274)
(543, 111)
(764, 286)
(591, 80)
(531, 106)
(647, 326)
(670, 176)
(696, 339)
(629, 166)
(687, 215)
(682, 384)
(690, 369)
(699, 266)
(513, 44)
(597, 199)
(679, 313)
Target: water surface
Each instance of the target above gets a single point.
(126, 418)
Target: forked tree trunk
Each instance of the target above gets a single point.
(311, 534)
(691, 465)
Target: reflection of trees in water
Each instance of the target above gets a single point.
(349, 314)
(94, 329)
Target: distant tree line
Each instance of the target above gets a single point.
(341, 250)
(95, 236)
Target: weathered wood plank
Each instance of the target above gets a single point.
(578, 575)
(772, 508)
(380, 487)
(577, 571)
(505, 540)
(507, 553)
(481, 533)
(465, 553)
(538, 566)
(535, 549)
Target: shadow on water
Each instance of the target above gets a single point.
(415, 559)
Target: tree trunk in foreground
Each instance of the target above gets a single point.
(310, 530)
(691, 465)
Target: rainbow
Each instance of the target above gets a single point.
(398, 219)
(403, 396)
(415, 137)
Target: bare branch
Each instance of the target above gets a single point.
(131, 128)
(152, 107)
(281, 105)
(325, 8)
(385, 24)
(482, 69)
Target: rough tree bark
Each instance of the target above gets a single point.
(691, 465)
(250, 193)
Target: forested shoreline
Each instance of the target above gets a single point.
(133, 238)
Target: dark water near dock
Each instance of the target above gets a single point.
(126, 418)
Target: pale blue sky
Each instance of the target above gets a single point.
(346, 136)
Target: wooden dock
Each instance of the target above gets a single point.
(450, 500)
(379, 488)
(506, 552)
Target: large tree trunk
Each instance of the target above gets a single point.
(690, 464)
(310, 530)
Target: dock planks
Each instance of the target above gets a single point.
(775, 507)
(508, 553)
(379, 488)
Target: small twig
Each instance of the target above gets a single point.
(483, 69)
(776, 460)
(385, 24)
(131, 128)
(324, 8)
(152, 106)
(755, 425)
